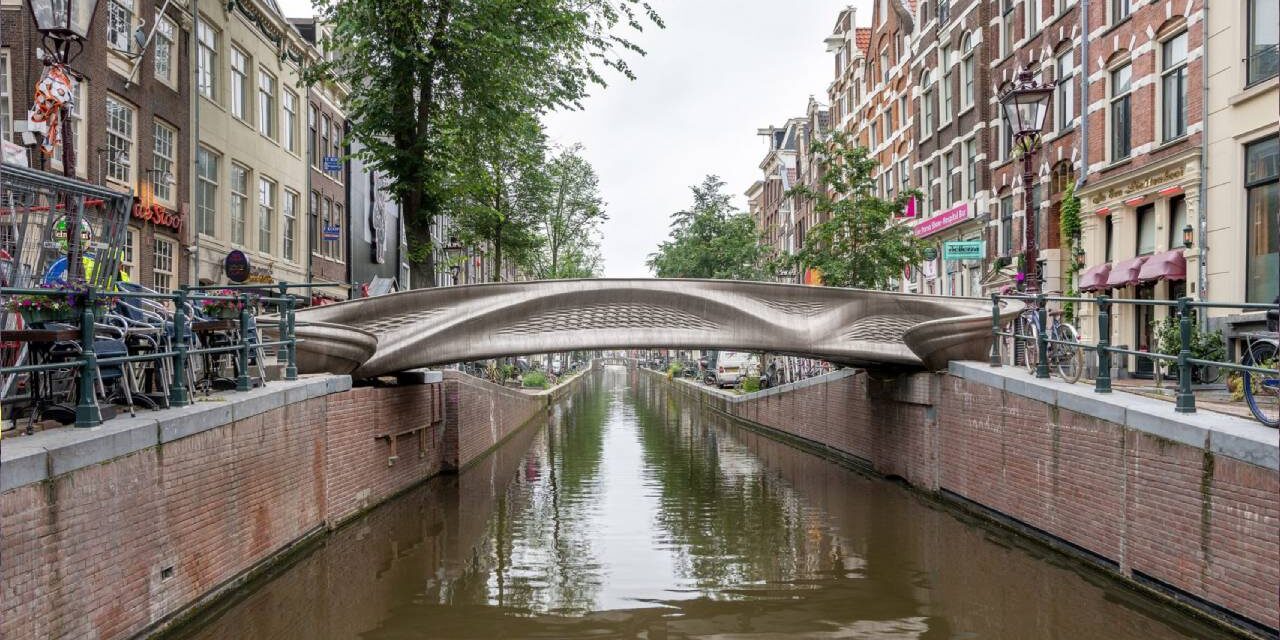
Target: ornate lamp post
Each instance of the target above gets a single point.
(453, 252)
(1024, 108)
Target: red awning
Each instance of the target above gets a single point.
(1126, 272)
(1170, 265)
(1095, 278)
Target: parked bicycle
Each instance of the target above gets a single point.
(1064, 353)
(1262, 390)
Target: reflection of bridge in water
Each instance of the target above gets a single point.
(423, 327)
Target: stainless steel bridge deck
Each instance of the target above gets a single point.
(423, 327)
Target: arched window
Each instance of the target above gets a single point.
(967, 79)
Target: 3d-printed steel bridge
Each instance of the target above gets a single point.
(375, 336)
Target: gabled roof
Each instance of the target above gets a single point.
(862, 37)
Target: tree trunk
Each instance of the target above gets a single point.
(418, 215)
(497, 252)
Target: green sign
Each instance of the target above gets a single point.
(964, 250)
(930, 254)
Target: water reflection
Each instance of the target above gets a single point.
(631, 513)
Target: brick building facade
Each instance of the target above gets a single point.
(130, 122)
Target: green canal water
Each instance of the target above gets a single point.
(629, 513)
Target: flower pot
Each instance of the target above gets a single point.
(224, 313)
(41, 316)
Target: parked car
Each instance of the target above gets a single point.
(731, 366)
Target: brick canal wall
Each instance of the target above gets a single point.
(121, 530)
(1185, 506)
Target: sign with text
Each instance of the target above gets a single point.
(945, 220)
(964, 250)
(332, 232)
(236, 266)
(332, 164)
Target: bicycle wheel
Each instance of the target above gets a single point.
(1069, 357)
(1262, 391)
(1030, 346)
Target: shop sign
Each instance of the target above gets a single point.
(945, 220)
(236, 266)
(1140, 185)
(157, 214)
(964, 250)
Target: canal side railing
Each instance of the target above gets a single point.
(1183, 309)
(95, 311)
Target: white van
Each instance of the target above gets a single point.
(732, 365)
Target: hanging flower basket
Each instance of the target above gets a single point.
(227, 309)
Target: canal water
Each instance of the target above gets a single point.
(629, 513)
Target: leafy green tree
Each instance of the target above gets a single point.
(859, 244)
(423, 74)
(568, 220)
(711, 240)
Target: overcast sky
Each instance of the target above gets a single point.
(720, 70)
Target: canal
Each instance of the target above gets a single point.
(629, 513)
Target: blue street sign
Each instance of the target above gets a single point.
(332, 164)
(332, 232)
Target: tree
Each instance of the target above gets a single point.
(568, 223)
(418, 69)
(710, 240)
(859, 244)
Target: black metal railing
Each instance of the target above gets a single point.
(1184, 308)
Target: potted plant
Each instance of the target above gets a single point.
(225, 309)
(61, 304)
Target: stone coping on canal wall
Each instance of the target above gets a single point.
(1184, 507)
(127, 529)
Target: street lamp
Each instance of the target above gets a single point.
(1024, 107)
(453, 253)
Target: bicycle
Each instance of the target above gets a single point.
(1262, 391)
(1064, 353)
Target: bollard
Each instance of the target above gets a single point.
(178, 394)
(87, 412)
(1042, 338)
(242, 379)
(291, 370)
(1186, 400)
(1102, 384)
(995, 329)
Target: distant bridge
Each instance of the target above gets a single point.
(369, 337)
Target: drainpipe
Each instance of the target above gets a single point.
(1084, 95)
(193, 180)
(1202, 217)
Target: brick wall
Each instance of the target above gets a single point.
(114, 548)
(1162, 513)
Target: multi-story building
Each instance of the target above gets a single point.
(952, 110)
(809, 168)
(775, 215)
(1144, 157)
(326, 187)
(377, 260)
(130, 126)
(250, 165)
(1242, 191)
(1042, 36)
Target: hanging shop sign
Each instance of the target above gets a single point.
(945, 220)
(157, 214)
(964, 250)
(236, 266)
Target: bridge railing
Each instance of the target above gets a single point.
(133, 326)
(1257, 370)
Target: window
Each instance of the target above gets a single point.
(1120, 9)
(1120, 121)
(324, 139)
(890, 184)
(164, 141)
(239, 194)
(1264, 41)
(1262, 189)
(6, 100)
(902, 111)
(206, 190)
(1006, 140)
(290, 223)
(128, 261)
(1006, 225)
(266, 213)
(944, 59)
(1032, 12)
(239, 84)
(266, 104)
(326, 210)
(944, 11)
(884, 66)
(334, 248)
(928, 189)
(970, 152)
(904, 173)
(206, 59)
(1066, 90)
(948, 194)
(120, 24)
(1006, 31)
(966, 71)
(316, 222)
(1173, 87)
(311, 136)
(1146, 244)
(926, 106)
(162, 280)
(289, 128)
(166, 37)
(335, 139)
(1177, 220)
(119, 157)
(1109, 239)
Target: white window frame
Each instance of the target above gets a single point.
(241, 70)
(1065, 92)
(122, 142)
(165, 62)
(6, 97)
(207, 205)
(129, 258)
(1113, 98)
(121, 19)
(266, 214)
(1180, 67)
(164, 264)
(267, 104)
(289, 225)
(289, 121)
(239, 203)
(163, 155)
(967, 72)
(206, 58)
(946, 99)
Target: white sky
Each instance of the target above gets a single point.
(720, 70)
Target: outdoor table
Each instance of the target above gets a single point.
(39, 343)
(208, 330)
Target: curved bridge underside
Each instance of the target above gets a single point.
(423, 327)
